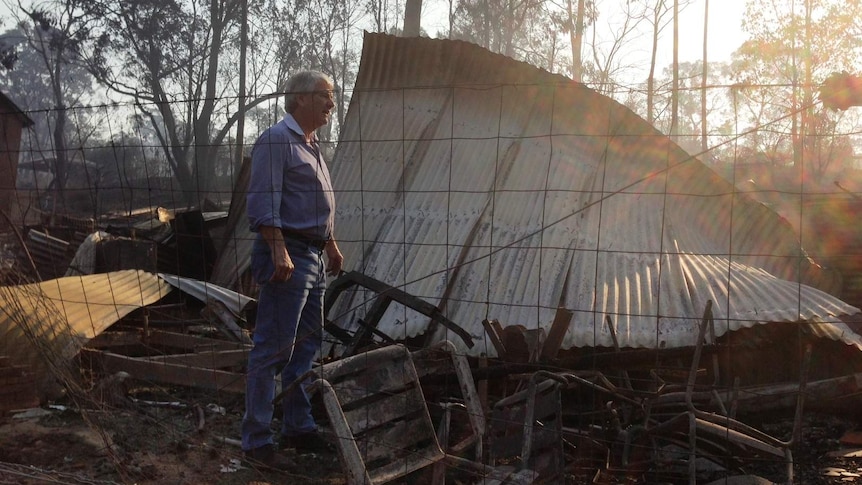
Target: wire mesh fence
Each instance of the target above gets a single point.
(533, 223)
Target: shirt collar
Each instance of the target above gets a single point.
(291, 123)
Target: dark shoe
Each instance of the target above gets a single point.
(306, 443)
(266, 457)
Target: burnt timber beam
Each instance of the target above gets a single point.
(217, 359)
(182, 341)
(168, 373)
(188, 342)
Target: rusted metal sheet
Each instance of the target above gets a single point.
(497, 191)
(44, 325)
(50, 254)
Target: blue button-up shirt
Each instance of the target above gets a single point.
(290, 186)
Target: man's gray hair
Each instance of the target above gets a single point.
(303, 82)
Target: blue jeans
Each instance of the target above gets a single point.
(287, 335)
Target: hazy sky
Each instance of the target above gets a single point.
(725, 31)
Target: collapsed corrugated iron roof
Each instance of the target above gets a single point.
(496, 190)
(44, 325)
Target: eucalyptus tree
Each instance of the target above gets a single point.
(658, 14)
(528, 30)
(180, 61)
(28, 83)
(44, 73)
(331, 34)
(793, 46)
(177, 60)
(610, 46)
(412, 17)
(693, 109)
(384, 14)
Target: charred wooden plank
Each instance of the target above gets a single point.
(184, 375)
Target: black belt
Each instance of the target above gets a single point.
(318, 244)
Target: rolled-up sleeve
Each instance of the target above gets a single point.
(268, 160)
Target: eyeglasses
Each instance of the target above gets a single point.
(325, 95)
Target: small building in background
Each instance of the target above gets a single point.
(12, 123)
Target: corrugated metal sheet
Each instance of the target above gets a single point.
(45, 324)
(50, 254)
(204, 291)
(496, 190)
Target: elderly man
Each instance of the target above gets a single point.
(290, 206)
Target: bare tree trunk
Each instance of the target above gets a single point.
(61, 152)
(577, 39)
(412, 15)
(451, 16)
(61, 159)
(703, 128)
(674, 115)
(510, 25)
(486, 26)
(205, 152)
(240, 122)
(650, 101)
(806, 88)
(378, 15)
(797, 125)
(345, 43)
